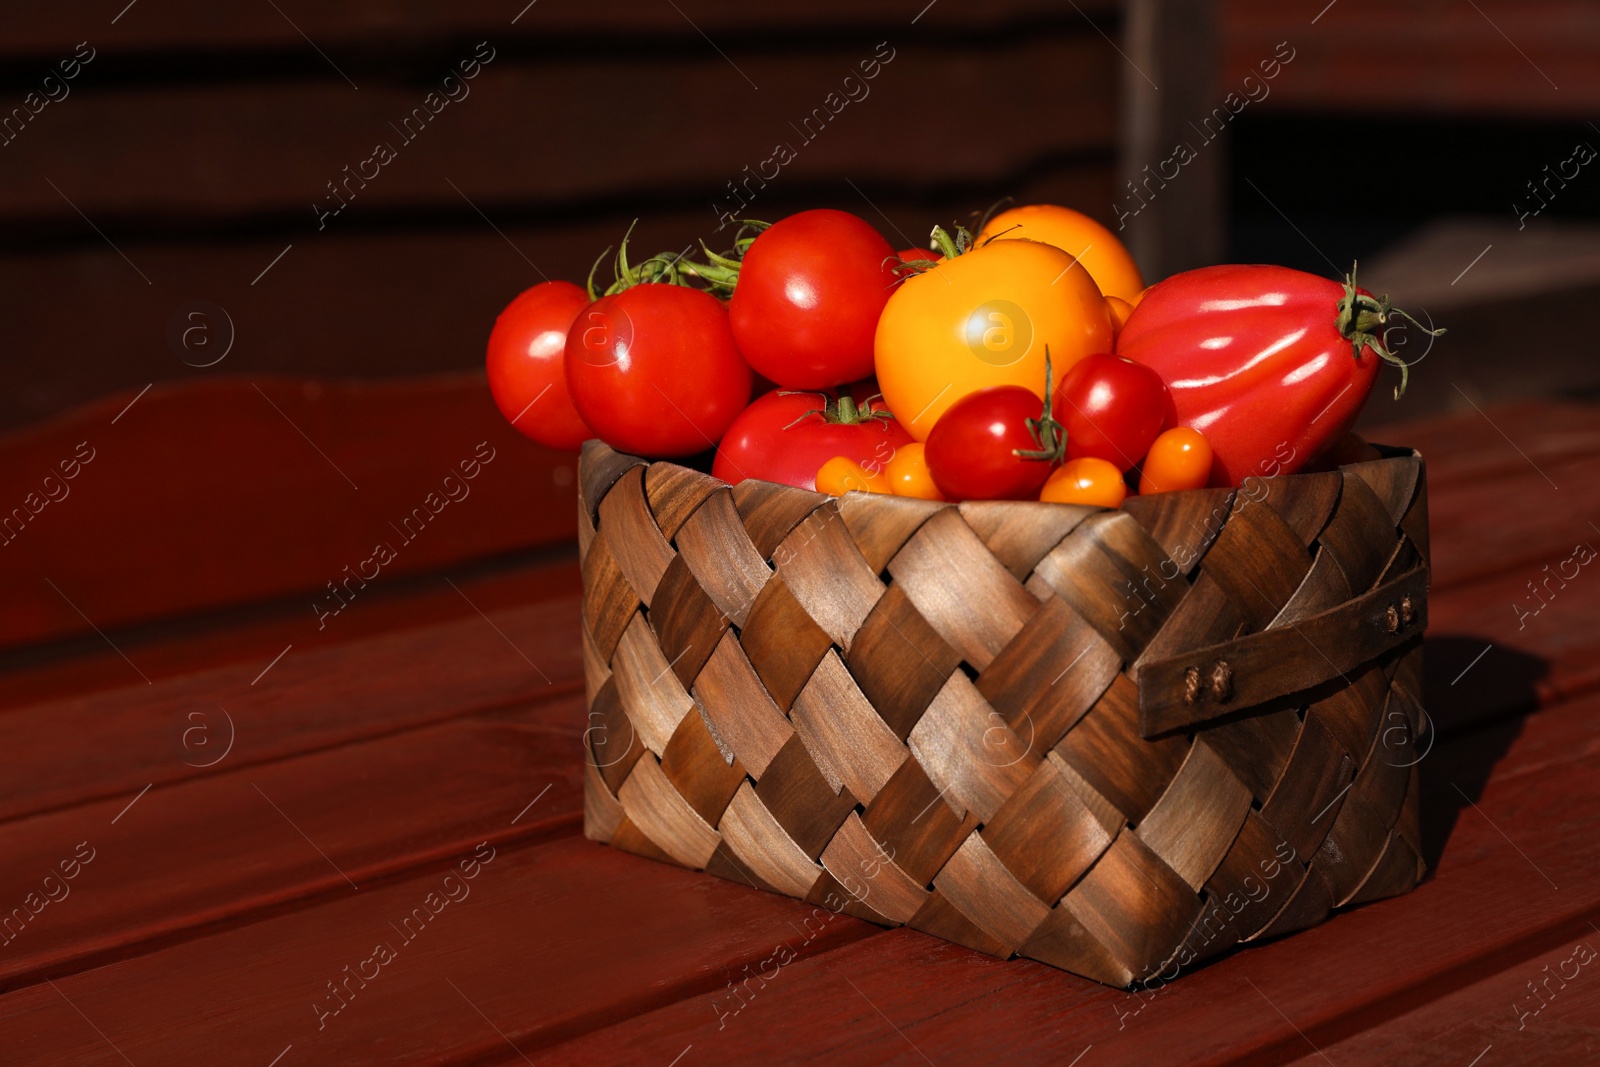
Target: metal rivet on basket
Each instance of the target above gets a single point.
(1408, 611)
(1221, 682)
(1391, 619)
(1191, 685)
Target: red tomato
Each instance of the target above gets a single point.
(1265, 361)
(786, 437)
(806, 305)
(1112, 409)
(655, 371)
(527, 366)
(973, 450)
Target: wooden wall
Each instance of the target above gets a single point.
(1518, 58)
(183, 160)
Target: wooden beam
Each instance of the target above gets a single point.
(1174, 221)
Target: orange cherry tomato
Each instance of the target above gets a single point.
(1178, 459)
(1086, 481)
(908, 475)
(1075, 233)
(841, 475)
(1119, 310)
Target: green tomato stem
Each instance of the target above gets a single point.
(1364, 319)
(1048, 434)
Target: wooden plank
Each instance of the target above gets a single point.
(1482, 663)
(542, 944)
(78, 666)
(1504, 57)
(32, 26)
(1466, 445)
(219, 492)
(1540, 518)
(1526, 1014)
(1532, 464)
(331, 305)
(168, 158)
(103, 745)
(901, 994)
(222, 850)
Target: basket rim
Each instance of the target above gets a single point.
(599, 450)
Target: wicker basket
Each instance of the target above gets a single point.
(1118, 742)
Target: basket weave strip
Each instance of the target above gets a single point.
(1113, 741)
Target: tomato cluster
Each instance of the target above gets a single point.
(1030, 362)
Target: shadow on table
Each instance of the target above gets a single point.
(1476, 693)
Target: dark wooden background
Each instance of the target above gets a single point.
(200, 135)
(184, 163)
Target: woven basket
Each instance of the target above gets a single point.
(1118, 742)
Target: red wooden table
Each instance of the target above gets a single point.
(273, 795)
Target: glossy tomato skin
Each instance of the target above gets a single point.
(1254, 361)
(776, 440)
(807, 301)
(655, 371)
(527, 364)
(1179, 459)
(908, 473)
(1087, 480)
(1106, 258)
(971, 452)
(984, 319)
(841, 475)
(1112, 409)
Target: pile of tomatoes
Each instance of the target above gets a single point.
(1027, 362)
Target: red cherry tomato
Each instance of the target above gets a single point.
(654, 370)
(527, 364)
(972, 450)
(805, 308)
(786, 437)
(1271, 364)
(1112, 409)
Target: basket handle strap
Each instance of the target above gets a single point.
(1206, 683)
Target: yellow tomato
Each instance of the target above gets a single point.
(841, 475)
(981, 319)
(908, 475)
(1108, 262)
(1086, 481)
